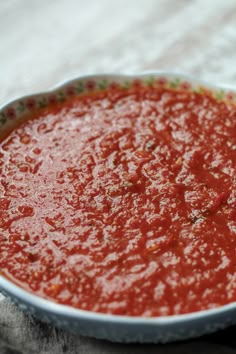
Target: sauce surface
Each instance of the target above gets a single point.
(123, 202)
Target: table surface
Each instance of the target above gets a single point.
(45, 42)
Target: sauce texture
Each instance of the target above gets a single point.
(123, 202)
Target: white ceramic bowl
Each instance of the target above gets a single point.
(113, 327)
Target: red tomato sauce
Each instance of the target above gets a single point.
(123, 202)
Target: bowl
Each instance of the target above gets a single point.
(115, 328)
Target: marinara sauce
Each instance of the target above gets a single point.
(123, 202)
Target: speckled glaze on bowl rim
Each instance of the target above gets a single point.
(105, 326)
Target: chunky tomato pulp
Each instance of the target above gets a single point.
(123, 202)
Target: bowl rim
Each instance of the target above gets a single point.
(69, 311)
(27, 297)
(133, 75)
(52, 307)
